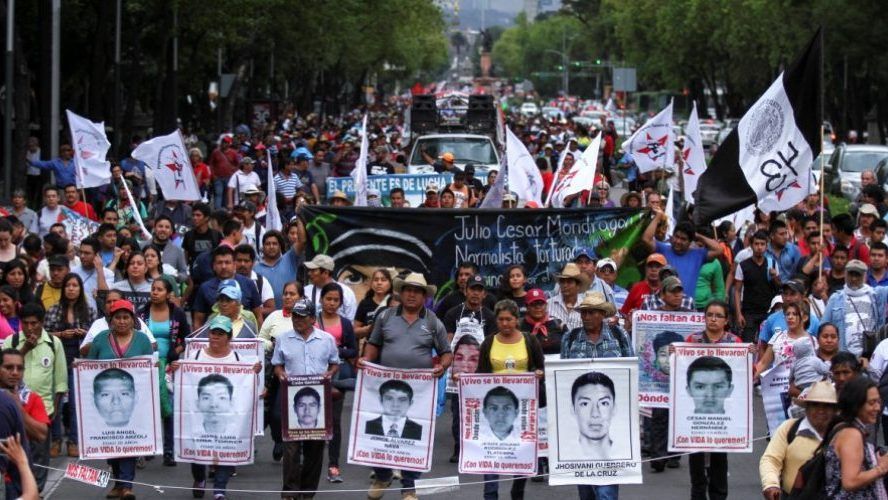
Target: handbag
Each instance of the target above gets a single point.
(871, 338)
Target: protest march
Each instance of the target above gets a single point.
(435, 249)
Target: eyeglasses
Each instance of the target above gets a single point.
(715, 316)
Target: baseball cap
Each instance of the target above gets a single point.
(246, 160)
(855, 266)
(320, 261)
(220, 322)
(868, 209)
(535, 295)
(59, 261)
(303, 307)
(231, 289)
(656, 257)
(448, 157)
(431, 188)
(608, 262)
(121, 305)
(584, 251)
(671, 284)
(475, 280)
(469, 169)
(794, 285)
(249, 206)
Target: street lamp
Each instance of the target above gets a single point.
(565, 71)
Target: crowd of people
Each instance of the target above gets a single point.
(807, 287)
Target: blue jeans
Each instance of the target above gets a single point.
(588, 492)
(491, 487)
(220, 480)
(123, 470)
(408, 478)
(219, 185)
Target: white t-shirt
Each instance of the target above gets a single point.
(782, 344)
(267, 292)
(203, 355)
(349, 305)
(242, 182)
(101, 324)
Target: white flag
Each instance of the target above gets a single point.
(494, 198)
(359, 174)
(146, 234)
(692, 155)
(580, 177)
(168, 160)
(610, 107)
(651, 145)
(524, 177)
(272, 215)
(670, 212)
(90, 148)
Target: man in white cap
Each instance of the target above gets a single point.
(856, 309)
(406, 337)
(607, 270)
(320, 272)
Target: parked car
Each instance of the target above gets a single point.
(530, 109)
(846, 164)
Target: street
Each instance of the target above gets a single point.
(260, 479)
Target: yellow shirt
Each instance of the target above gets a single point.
(508, 358)
(50, 296)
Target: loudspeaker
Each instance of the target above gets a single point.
(423, 114)
(481, 115)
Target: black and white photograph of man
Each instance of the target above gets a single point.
(396, 398)
(709, 384)
(214, 403)
(307, 410)
(114, 394)
(500, 410)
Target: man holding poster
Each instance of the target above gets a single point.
(404, 337)
(303, 351)
(713, 366)
(223, 415)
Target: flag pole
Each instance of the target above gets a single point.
(822, 166)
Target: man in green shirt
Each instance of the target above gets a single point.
(710, 284)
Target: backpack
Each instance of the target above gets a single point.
(810, 483)
(793, 430)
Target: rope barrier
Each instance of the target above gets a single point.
(161, 487)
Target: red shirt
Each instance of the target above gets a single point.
(635, 297)
(224, 164)
(35, 408)
(84, 209)
(202, 174)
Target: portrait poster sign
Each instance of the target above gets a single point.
(466, 349)
(248, 350)
(711, 398)
(653, 332)
(499, 424)
(215, 416)
(108, 392)
(594, 430)
(393, 418)
(307, 409)
(775, 395)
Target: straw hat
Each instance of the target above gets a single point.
(595, 301)
(572, 271)
(414, 279)
(819, 392)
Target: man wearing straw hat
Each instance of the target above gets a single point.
(572, 284)
(405, 337)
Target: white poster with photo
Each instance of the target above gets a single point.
(307, 409)
(712, 398)
(594, 430)
(499, 424)
(214, 413)
(250, 350)
(466, 349)
(654, 332)
(108, 393)
(393, 418)
(775, 396)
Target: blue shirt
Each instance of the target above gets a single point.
(209, 291)
(613, 343)
(279, 274)
(776, 323)
(305, 357)
(787, 261)
(65, 173)
(871, 280)
(687, 264)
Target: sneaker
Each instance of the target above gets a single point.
(377, 489)
(56, 449)
(140, 462)
(218, 496)
(657, 466)
(198, 491)
(454, 458)
(673, 463)
(409, 495)
(168, 460)
(333, 474)
(234, 472)
(73, 450)
(396, 475)
(278, 453)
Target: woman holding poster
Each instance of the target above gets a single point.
(716, 481)
(218, 350)
(508, 351)
(121, 341)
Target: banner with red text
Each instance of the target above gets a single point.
(499, 424)
(653, 332)
(393, 418)
(214, 414)
(108, 392)
(711, 398)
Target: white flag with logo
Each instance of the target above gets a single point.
(168, 160)
(580, 177)
(651, 145)
(524, 178)
(692, 155)
(90, 148)
(359, 173)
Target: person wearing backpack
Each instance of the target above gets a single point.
(796, 440)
